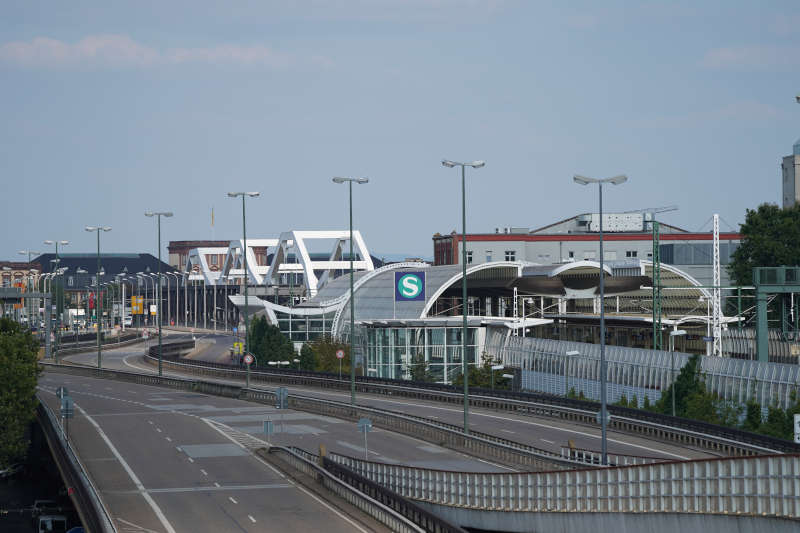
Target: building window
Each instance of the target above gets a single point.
(571, 254)
(588, 255)
(469, 257)
(610, 256)
(631, 253)
(214, 259)
(488, 256)
(511, 255)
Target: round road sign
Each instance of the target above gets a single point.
(248, 359)
(340, 354)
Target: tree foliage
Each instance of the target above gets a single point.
(308, 360)
(481, 376)
(267, 342)
(420, 370)
(770, 237)
(324, 349)
(18, 376)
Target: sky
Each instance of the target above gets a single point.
(111, 109)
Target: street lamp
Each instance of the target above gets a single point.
(158, 215)
(672, 334)
(350, 182)
(616, 180)
(475, 164)
(244, 195)
(30, 281)
(169, 292)
(99, 301)
(59, 303)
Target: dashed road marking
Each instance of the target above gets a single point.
(232, 500)
(253, 520)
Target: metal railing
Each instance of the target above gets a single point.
(546, 367)
(86, 497)
(762, 486)
(685, 431)
(372, 507)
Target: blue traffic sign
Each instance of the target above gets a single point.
(409, 286)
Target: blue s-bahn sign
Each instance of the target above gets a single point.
(409, 286)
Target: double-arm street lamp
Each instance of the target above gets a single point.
(244, 195)
(59, 298)
(350, 182)
(98, 300)
(616, 180)
(475, 164)
(158, 215)
(29, 253)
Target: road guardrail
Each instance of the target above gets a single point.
(84, 494)
(729, 441)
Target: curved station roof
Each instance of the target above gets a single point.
(374, 291)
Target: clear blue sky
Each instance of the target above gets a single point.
(110, 109)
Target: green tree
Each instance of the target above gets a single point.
(770, 237)
(18, 376)
(687, 384)
(420, 370)
(777, 424)
(307, 359)
(324, 349)
(481, 376)
(268, 343)
(752, 417)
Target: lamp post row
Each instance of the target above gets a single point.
(616, 180)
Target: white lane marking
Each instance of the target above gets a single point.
(159, 430)
(216, 484)
(509, 431)
(137, 527)
(547, 441)
(153, 505)
(299, 487)
(474, 413)
(253, 520)
(168, 439)
(232, 500)
(204, 472)
(150, 422)
(179, 449)
(190, 459)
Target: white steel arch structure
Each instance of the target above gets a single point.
(296, 241)
(233, 265)
(197, 257)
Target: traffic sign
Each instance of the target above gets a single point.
(599, 418)
(238, 347)
(340, 354)
(248, 359)
(282, 397)
(235, 329)
(364, 425)
(67, 409)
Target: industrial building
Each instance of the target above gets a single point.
(627, 236)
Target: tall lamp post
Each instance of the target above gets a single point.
(158, 215)
(672, 334)
(30, 282)
(244, 195)
(98, 300)
(58, 302)
(616, 180)
(475, 164)
(350, 182)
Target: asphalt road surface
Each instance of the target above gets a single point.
(161, 464)
(541, 432)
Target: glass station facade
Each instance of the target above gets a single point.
(391, 350)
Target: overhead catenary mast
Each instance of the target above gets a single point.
(716, 300)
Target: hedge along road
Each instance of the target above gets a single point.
(539, 431)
